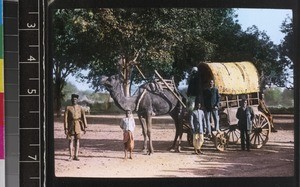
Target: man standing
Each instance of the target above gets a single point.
(198, 123)
(74, 124)
(211, 105)
(245, 115)
(127, 125)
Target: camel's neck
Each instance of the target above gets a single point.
(124, 103)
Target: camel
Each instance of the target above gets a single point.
(149, 100)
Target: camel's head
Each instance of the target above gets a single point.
(111, 82)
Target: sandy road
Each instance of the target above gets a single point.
(101, 155)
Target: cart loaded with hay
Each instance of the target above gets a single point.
(235, 81)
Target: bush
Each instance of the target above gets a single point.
(278, 97)
(281, 110)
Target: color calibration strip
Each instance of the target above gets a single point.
(2, 135)
(11, 94)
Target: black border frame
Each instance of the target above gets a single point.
(51, 180)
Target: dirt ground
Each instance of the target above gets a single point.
(101, 153)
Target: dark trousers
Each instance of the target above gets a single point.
(245, 132)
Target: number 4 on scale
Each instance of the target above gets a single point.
(31, 58)
(33, 158)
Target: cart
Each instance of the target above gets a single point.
(235, 81)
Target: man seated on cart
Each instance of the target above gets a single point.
(194, 90)
(265, 110)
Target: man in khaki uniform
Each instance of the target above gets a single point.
(74, 124)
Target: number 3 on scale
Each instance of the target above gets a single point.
(31, 25)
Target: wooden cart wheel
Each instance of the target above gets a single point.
(261, 129)
(189, 137)
(221, 141)
(233, 133)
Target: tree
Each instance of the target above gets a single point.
(166, 39)
(273, 96)
(66, 59)
(170, 40)
(287, 98)
(287, 46)
(264, 54)
(69, 89)
(233, 45)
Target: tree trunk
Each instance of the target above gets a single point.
(125, 67)
(58, 96)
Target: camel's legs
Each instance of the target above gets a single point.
(143, 122)
(125, 157)
(179, 130)
(149, 127)
(178, 136)
(179, 142)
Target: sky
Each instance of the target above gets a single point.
(268, 20)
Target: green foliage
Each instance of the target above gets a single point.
(287, 47)
(170, 40)
(68, 90)
(287, 97)
(282, 110)
(277, 97)
(273, 96)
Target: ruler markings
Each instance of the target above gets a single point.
(34, 178)
(29, 95)
(28, 62)
(34, 145)
(32, 25)
(15, 35)
(33, 12)
(27, 128)
(6, 51)
(29, 161)
(29, 29)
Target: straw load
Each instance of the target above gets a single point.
(232, 77)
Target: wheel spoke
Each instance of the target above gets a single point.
(233, 135)
(264, 125)
(261, 130)
(234, 139)
(252, 136)
(265, 132)
(255, 139)
(261, 137)
(237, 135)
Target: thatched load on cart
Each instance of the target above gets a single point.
(231, 77)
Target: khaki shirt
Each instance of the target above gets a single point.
(75, 120)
